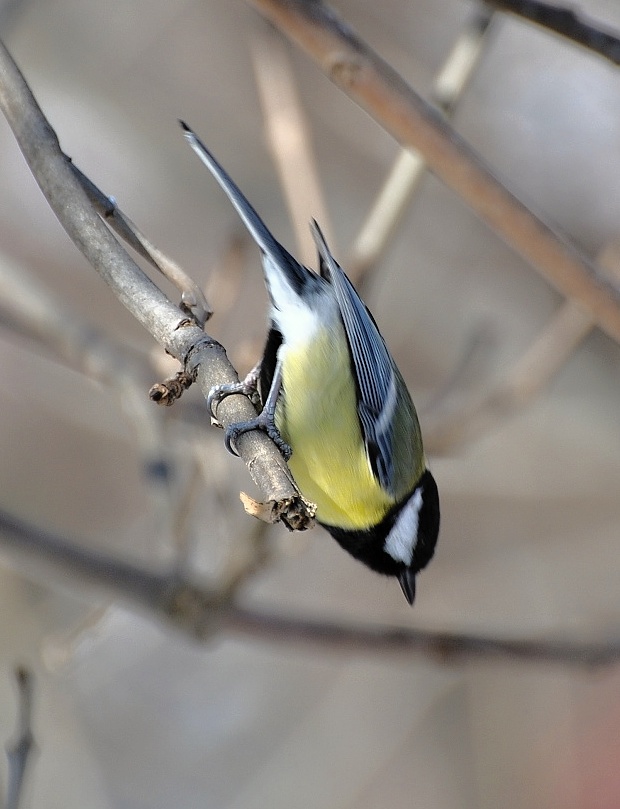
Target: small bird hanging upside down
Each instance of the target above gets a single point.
(337, 406)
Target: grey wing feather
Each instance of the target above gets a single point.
(373, 366)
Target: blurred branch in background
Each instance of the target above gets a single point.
(289, 140)
(566, 22)
(29, 309)
(374, 85)
(291, 149)
(403, 179)
(200, 611)
(440, 647)
(534, 369)
(20, 749)
(32, 311)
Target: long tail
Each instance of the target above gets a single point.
(257, 228)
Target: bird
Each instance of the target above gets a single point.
(336, 405)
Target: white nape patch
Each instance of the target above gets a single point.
(295, 319)
(403, 538)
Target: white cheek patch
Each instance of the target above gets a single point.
(403, 538)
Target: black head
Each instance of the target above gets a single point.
(404, 542)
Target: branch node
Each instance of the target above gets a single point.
(194, 357)
(167, 392)
(297, 513)
(188, 305)
(343, 70)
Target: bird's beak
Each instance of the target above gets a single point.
(407, 582)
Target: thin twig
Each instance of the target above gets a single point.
(566, 22)
(199, 611)
(200, 354)
(192, 297)
(20, 749)
(367, 79)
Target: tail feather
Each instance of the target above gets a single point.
(281, 258)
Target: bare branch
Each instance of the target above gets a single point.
(200, 354)
(566, 22)
(373, 84)
(200, 611)
(19, 750)
(192, 297)
(54, 174)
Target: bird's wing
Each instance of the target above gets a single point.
(373, 368)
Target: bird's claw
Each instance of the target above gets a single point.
(246, 387)
(216, 394)
(261, 422)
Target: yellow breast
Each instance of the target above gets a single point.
(319, 421)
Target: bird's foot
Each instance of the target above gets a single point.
(265, 422)
(246, 387)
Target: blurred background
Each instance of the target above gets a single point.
(129, 713)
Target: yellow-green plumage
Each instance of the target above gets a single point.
(317, 416)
